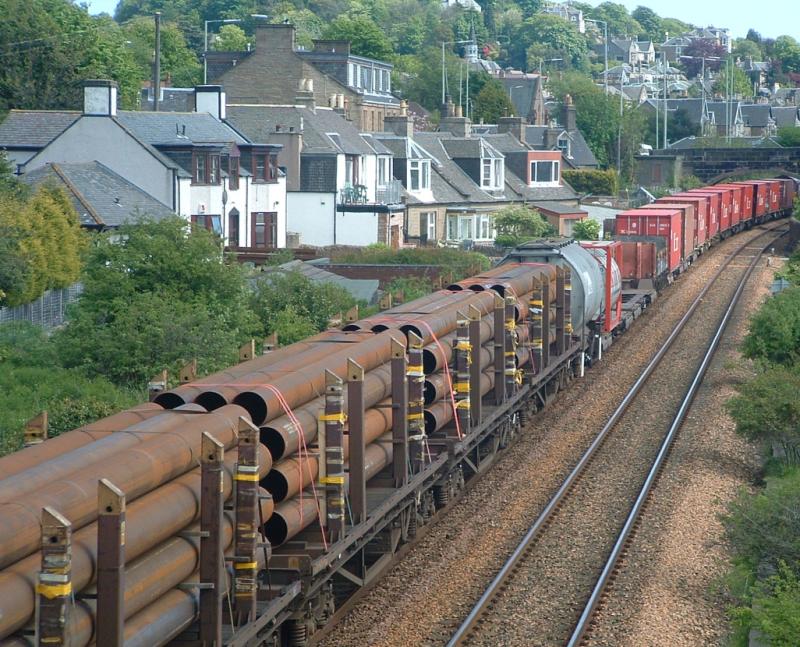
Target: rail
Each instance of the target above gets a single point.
(658, 464)
(484, 602)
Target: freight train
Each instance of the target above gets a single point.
(250, 506)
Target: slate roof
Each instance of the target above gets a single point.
(581, 153)
(561, 209)
(259, 122)
(517, 189)
(717, 108)
(360, 289)
(172, 99)
(167, 128)
(757, 115)
(505, 142)
(785, 116)
(100, 196)
(692, 107)
(34, 129)
(522, 93)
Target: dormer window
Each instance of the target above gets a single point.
(564, 146)
(492, 176)
(545, 173)
(265, 167)
(419, 175)
(205, 168)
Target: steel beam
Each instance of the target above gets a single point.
(568, 305)
(54, 586)
(475, 399)
(536, 334)
(110, 564)
(246, 529)
(499, 349)
(416, 402)
(560, 319)
(333, 480)
(510, 353)
(211, 555)
(546, 321)
(461, 384)
(355, 416)
(399, 414)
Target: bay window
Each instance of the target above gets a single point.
(546, 172)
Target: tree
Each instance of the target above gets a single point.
(741, 85)
(694, 54)
(586, 229)
(620, 22)
(365, 37)
(518, 224)
(307, 24)
(230, 38)
(53, 45)
(547, 34)
(745, 48)
(157, 294)
(789, 136)
(787, 51)
(650, 22)
(492, 103)
(679, 126)
(774, 335)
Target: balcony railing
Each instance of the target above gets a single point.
(389, 194)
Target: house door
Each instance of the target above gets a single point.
(265, 229)
(233, 228)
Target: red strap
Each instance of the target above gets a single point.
(447, 375)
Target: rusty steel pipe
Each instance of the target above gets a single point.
(188, 392)
(213, 396)
(292, 474)
(295, 514)
(437, 386)
(154, 574)
(150, 520)
(424, 305)
(515, 278)
(91, 453)
(283, 438)
(308, 382)
(135, 471)
(27, 458)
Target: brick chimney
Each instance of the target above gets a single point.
(100, 98)
(513, 125)
(210, 99)
(274, 38)
(305, 94)
(551, 135)
(569, 118)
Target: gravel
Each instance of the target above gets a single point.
(423, 598)
(665, 593)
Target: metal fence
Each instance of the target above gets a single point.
(48, 310)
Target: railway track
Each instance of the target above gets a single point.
(539, 595)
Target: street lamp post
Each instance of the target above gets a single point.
(444, 66)
(605, 42)
(224, 21)
(547, 60)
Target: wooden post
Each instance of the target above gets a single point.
(510, 353)
(333, 419)
(247, 351)
(536, 333)
(246, 531)
(211, 553)
(416, 402)
(475, 365)
(110, 564)
(463, 357)
(54, 586)
(355, 427)
(399, 414)
(351, 315)
(157, 384)
(270, 344)
(499, 349)
(188, 372)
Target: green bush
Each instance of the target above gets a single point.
(592, 181)
(517, 224)
(586, 229)
(412, 287)
(775, 608)
(774, 335)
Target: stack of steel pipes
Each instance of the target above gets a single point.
(149, 455)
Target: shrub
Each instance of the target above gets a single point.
(516, 225)
(774, 335)
(459, 264)
(592, 181)
(586, 229)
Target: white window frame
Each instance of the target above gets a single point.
(422, 168)
(384, 170)
(477, 227)
(452, 227)
(556, 173)
(492, 173)
(430, 224)
(566, 150)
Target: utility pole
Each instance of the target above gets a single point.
(664, 57)
(619, 129)
(157, 64)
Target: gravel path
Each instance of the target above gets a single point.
(423, 597)
(664, 594)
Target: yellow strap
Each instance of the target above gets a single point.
(416, 416)
(333, 417)
(246, 477)
(332, 480)
(568, 328)
(241, 566)
(519, 377)
(463, 345)
(414, 370)
(511, 325)
(509, 353)
(336, 502)
(536, 303)
(51, 591)
(461, 387)
(463, 404)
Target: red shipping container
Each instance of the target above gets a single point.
(723, 207)
(748, 199)
(712, 214)
(700, 212)
(654, 222)
(761, 197)
(774, 196)
(788, 192)
(737, 193)
(688, 237)
(643, 258)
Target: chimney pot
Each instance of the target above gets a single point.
(100, 98)
(210, 99)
